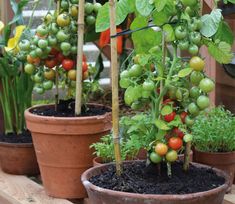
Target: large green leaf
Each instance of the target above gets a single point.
(224, 33)
(144, 7)
(124, 7)
(160, 4)
(211, 22)
(221, 52)
(144, 40)
(159, 18)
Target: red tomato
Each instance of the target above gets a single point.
(67, 64)
(84, 67)
(50, 63)
(54, 51)
(59, 57)
(167, 101)
(177, 132)
(183, 116)
(175, 143)
(84, 58)
(170, 117)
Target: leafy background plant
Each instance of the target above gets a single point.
(214, 131)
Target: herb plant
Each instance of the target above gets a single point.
(214, 131)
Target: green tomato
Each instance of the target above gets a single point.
(146, 94)
(171, 156)
(47, 50)
(196, 77)
(54, 28)
(199, 24)
(135, 70)
(39, 52)
(183, 44)
(172, 92)
(47, 85)
(124, 83)
(24, 45)
(64, 4)
(189, 11)
(63, 20)
(193, 108)
(29, 69)
(62, 36)
(52, 40)
(124, 74)
(195, 38)
(35, 40)
(194, 92)
(136, 105)
(188, 138)
(97, 6)
(33, 54)
(42, 43)
(193, 49)
(65, 46)
(189, 121)
(203, 102)
(74, 1)
(148, 85)
(48, 19)
(155, 158)
(190, 3)
(207, 85)
(90, 20)
(74, 49)
(39, 90)
(179, 95)
(38, 78)
(89, 8)
(180, 32)
(42, 30)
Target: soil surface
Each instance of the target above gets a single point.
(66, 108)
(25, 137)
(137, 178)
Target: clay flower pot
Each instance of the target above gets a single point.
(223, 161)
(18, 159)
(62, 149)
(100, 195)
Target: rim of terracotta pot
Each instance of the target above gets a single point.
(18, 145)
(214, 153)
(39, 118)
(88, 184)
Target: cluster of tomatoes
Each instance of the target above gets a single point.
(53, 48)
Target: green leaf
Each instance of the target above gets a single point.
(221, 52)
(184, 72)
(144, 7)
(144, 40)
(160, 4)
(159, 18)
(210, 23)
(169, 33)
(224, 33)
(166, 110)
(124, 7)
(160, 135)
(161, 125)
(232, 1)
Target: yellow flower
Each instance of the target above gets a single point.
(1, 26)
(12, 44)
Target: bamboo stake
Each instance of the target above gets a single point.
(114, 78)
(187, 156)
(81, 25)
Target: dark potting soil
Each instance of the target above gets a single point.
(66, 108)
(137, 178)
(25, 137)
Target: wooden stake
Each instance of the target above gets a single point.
(57, 88)
(114, 78)
(187, 156)
(81, 25)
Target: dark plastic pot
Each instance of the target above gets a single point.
(223, 161)
(99, 195)
(18, 159)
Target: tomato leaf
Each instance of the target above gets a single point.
(166, 110)
(161, 125)
(144, 7)
(160, 135)
(224, 33)
(160, 4)
(159, 18)
(184, 72)
(210, 23)
(169, 33)
(221, 52)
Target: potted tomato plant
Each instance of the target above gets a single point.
(214, 140)
(63, 132)
(175, 91)
(17, 155)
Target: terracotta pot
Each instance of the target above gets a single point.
(223, 161)
(97, 161)
(62, 149)
(99, 195)
(18, 159)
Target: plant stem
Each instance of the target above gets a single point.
(169, 172)
(81, 25)
(115, 98)
(187, 156)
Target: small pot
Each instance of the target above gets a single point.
(100, 195)
(223, 161)
(18, 159)
(62, 146)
